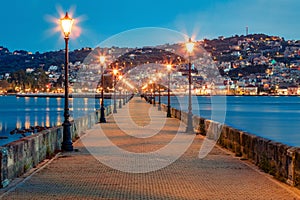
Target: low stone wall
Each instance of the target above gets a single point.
(280, 160)
(18, 157)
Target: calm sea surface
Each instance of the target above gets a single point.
(20, 112)
(275, 118)
(271, 117)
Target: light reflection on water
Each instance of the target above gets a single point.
(17, 112)
(275, 118)
(27, 121)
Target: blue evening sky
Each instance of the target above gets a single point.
(27, 24)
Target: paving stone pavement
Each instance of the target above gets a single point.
(80, 175)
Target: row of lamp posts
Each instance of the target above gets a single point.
(115, 73)
(67, 145)
(189, 128)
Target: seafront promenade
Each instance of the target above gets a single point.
(80, 174)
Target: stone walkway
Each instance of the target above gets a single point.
(81, 175)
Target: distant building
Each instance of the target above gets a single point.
(29, 70)
(7, 76)
(250, 90)
(52, 68)
(293, 90)
(282, 91)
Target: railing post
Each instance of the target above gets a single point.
(4, 170)
(291, 167)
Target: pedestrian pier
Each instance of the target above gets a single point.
(141, 154)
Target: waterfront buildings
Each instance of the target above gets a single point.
(249, 65)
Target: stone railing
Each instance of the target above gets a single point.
(280, 160)
(18, 157)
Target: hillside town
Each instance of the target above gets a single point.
(255, 64)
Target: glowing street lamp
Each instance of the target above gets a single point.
(102, 114)
(102, 60)
(67, 145)
(190, 47)
(169, 68)
(115, 72)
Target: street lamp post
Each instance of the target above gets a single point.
(154, 87)
(169, 67)
(67, 144)
(115, 72)
(120, 92)
(159, 100)
(151, 91)
(124, 98)
(189, 128)
(102, 114)
(120, 99)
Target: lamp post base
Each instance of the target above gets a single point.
(102, 120)
(190, 128)
(169, 111)
(67, 144)
(102, 116)
(159, 107)
(115, 106)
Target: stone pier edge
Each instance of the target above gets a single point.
(18, 157)
(279, 160)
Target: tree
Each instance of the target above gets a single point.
(41, 78)
(4, 85)
(36, 80)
